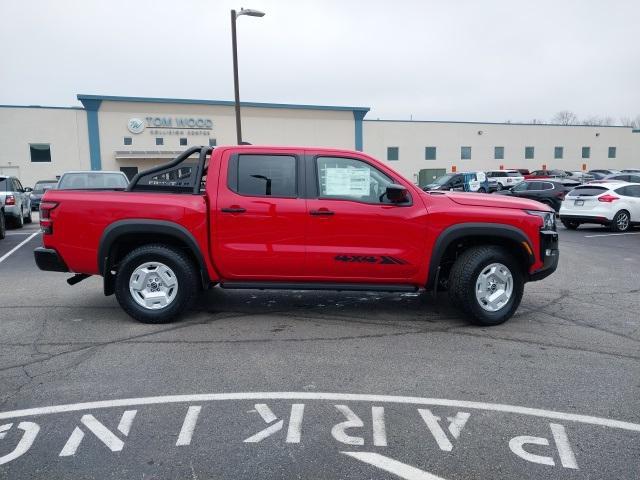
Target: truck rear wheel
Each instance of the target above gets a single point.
(487, 284)
(155, 283)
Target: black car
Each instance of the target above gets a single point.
(545, 191)
(39, 188)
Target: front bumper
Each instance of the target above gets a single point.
(49, 260)
(549, 253)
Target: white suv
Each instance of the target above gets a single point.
(615, 204)
(505, 178)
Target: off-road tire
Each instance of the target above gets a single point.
(465, 273)
(3, 226)
(182, 266)
(28, 218)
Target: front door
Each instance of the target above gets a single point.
(355, 234)
(260, 216)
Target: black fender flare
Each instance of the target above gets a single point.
(461, 230)
(117, 229)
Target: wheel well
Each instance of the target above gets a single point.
(456, 247)
(127, 242)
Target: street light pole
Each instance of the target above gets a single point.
(236, 82)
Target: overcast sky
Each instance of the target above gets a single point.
(470, 60)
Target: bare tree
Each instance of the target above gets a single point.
(630, 122)
(597, 121)
(565, 117)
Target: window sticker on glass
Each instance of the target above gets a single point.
(351, 182)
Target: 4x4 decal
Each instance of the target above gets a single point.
(379, 259)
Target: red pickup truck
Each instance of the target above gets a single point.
(253, 217)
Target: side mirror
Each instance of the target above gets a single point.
(28, 190)
(397, 193)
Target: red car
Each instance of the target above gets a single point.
(251, 217)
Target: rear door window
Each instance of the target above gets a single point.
(535, 186)
(263, 175)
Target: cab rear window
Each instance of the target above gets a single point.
(587, 191)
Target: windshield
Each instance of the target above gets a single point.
(84, 180)
(42, 187)
(442, 180)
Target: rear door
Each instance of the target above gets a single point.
(260, 215)
(631, 196)
(355, 234)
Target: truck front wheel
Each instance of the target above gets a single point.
(487, 283)
(155, 283)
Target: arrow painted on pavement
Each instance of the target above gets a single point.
(390, 465)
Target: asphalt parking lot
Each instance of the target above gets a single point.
(256, 384)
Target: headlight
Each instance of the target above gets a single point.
(548, 219)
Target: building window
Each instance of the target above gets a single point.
(498, 153)
(393, 153)
(128, 141)
(159, 141)
(40, 152)
(558, 152)
(212, 142)
(183, 141)
(529, 152)
(612, 152)
(586, 152)
(430, 153)
(465, 153)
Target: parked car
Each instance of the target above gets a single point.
(39, 188)
(623, 177)
(3, 223)
(17, 204)
(599, 174)
(461, 182)
(630, 170)
(523, 171)
(579, 176)
(505, 178)
(549, 192)
(92, 180)
(250, 217)
(614, 204)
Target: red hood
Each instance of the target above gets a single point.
(494, 201)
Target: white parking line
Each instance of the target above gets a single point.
(6, 255)
(339, 397)
(9, 234)
(611, 234)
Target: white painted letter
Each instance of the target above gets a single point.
(30, 432)
(456, 424)
(567, 458)
(105, 435)
(188, 426)
(353, 421)
(295, 423)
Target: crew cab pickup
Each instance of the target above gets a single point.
(254, 217)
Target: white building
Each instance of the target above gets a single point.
(134, 133)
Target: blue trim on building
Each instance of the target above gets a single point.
(41, 106)
(92, 106)
(227, 103)
(358, 116)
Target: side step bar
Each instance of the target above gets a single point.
(367, 287)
